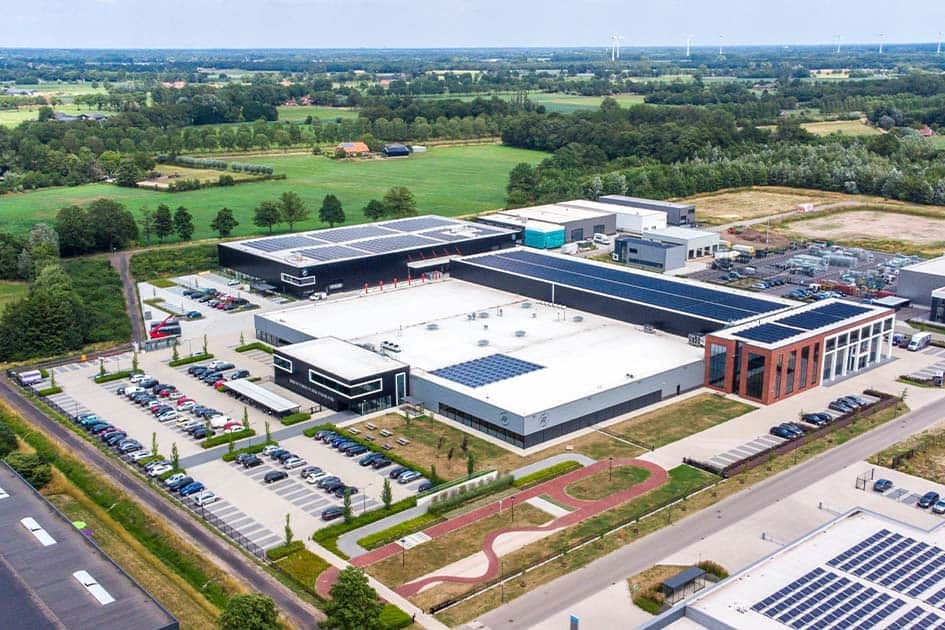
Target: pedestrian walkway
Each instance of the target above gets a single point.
(746, 450)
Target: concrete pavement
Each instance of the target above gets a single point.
(550, 599)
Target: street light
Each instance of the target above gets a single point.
(512, 506)
(610, 470)
(403, 552)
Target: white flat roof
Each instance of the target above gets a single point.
(680, 232)
(552, 339)
(531, 224)
(262, 395)
(347, 360)
(935, 266)
(611, 208)
(556, 213)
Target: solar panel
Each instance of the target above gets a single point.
(278, 243)
(769, 333)
(393, 243)
(343, 235)
(822, 316)
(416, 224)
(486, 370)
(329, 252)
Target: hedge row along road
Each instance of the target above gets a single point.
(299, 613)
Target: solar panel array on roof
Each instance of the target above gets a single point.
(283, 242)
(823, 316)
(769, 333)
(486, 370)
(342, 235)
(687, 298)
(329, 252)
(418, 223)
(394, 243)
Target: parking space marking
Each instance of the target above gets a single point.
(240, 521)
(252, 527)
(300, 492)
(271, 541)
(285, 489)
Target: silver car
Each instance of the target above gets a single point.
(294, 462)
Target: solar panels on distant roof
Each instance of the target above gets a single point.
(769, 333)
(394, 243)
(486, 370)
(329, 252)
(342, 235)
(278, 243)
(418, 223)
(823, 316)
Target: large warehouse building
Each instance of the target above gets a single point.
(676, 213)
(578, 223)
(346, 258)
(917, 281)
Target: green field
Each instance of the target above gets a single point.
(449, 181)
(11, 291)
(553, 102)
(13, 117)
(301, 112)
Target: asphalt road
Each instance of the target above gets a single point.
(225, 556)
(554, 597)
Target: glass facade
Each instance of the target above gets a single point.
(789, 376)
(755, 377)
(717, 358)
(857, 349)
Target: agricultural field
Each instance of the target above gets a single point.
(728, 206)
(168, 173)
(13, 117)
(553, 102)
(11, 292)
(448, 181)
(844, 127)
(299, 113)
(873, 228)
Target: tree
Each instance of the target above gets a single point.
(374, 210)
(399, 203)
(31, 467)
(346, 506)
(224, 222)
(249, 612)
(128, 174)
(8, 442)
(75, 231)
(470, 464)
(434, 478)
(386, 495)
(267, 214)
(331, 211)
(354, 605)
(183, 223)
(114, 226)
(154, 443)
(289, 535)
(175, 456)
(292, 209)
(268, 432)
(163, 223)
(146, 223)
(245, 417)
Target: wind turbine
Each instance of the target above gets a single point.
(721, 39)
(881, 35)
(615, 51)
(838, 44)
(938, 51)
(688, 45)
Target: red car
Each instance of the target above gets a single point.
(181, 401)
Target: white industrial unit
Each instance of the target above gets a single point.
(629, 219)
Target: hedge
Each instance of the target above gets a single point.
(304, 567)
(256, 345)
(194, 359)
(174, 261)
(398, 531)
(450, 503)
(49, 391)
(295, 418)
(393, 618)
(277, 553)
(546, 473)
(328, 536)
(114, 376)
(255, 448)
(44, 372)
(224, 438)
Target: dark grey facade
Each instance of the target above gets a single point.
(676, 213)
(917, 282)
(937, 311)
(649, 255)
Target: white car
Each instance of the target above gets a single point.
(270, 449)
(131, 391)
(137, 378)
(174, 479)
(187, 406)
(205, 498)
(294, 462)
(138, 456)
(218, 422)
(167, 416)
(939, 507)
(235, 429)
(175, 395)
(314, 478)
(160, 470)
(213, 365)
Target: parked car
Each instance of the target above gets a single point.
(130, 447)
(269, 449)
(331, 486)
(796, 428)
(239, 374)
(194, 315)
(205, 498)
(381, 462)
(284, 457)
(425, 485)
(782, 432)
(275, 475)
(170, 481)
(202, 433)
(168, 416)
(314, 477)
(139, 455)
(839, 405)
(343, 489)
(928, 500)
(186, 405)
(408, 476)
(294, 462)
(882, 485)
(308, 470)
(370, 457)
(276, 453)
(180, 482)
(252, 462)
(356, 449)
(939, 507)
(327, 480)
(397, 472)
(331, 513)
(193, 488)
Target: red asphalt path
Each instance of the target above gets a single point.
(554, 488)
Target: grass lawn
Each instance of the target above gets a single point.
(169, 172)
(13, 117)
(301, 112)
(668, 424)
(845, 127)
(607, 482)
(929, 453)
(11, 292)
(451, 547)
(553, 102)
(448, 181)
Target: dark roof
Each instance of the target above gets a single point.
(44, 574)
(682, 579)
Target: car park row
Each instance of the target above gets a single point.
(794, 430)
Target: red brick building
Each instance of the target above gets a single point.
(779, 356)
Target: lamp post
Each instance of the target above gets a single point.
(610, 469)
(403, 552)
(512, 506)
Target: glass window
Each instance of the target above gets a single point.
(805, 359)
(831, 345)
(282, 363)
(791, 364)
(828, 367)
(717, 359)
(754, 381)
(841, 357)
(887, 323)
(876, 328)
(777, 377)
(842, 340)
(854, 336)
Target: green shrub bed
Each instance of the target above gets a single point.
(49, 391)
(254, 449)
(451, 503)
(295, 418)
(174, 261)
(389, 535)
(256, 345)
(545, 474)
(194, 359)
(280, 552)
(114, 376)
(217, 440)
(303, 566)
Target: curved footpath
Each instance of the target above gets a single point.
(555, 488)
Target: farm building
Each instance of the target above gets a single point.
(676, 213)
(347, 258)
(396, 150)
(648, 254)
(917, 281)
(353, 149)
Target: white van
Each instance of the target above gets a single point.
(601, 239)
(318, 295)
(30, 377)
(919, 341)
(218, 422)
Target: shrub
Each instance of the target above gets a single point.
(328, 536)
(49, 391)
(295, 418)
(32, 467)
(449, 503)
(217, 440)
(256, 345)
(113, 376)
(393, 618)
(255, 448)
(173, 261)
(303, 566)
(277, 553)
(713, 568)
(545, 474)
(194, 359)
(398, 531)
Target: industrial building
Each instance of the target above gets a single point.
(54, 576)
(775, 357)
(636, 220)
(649, 255)
(533, 233)
(676, 213)
(937, 309)
(347, 258)
(917, 281)
(860, 570)
(698, 243)
(578, 223)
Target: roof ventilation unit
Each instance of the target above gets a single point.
(526, 304)
(577, 318)
(433, 326)
(483, 314)
(519, 333)
(93, 587)
(648, 328)
(482, 342)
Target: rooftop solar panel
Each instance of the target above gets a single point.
(393, 243)
(343, 235)
(278, 243)
(486, 370)
(416, 224)
(822, 316)
(329, 252)
(769, 333)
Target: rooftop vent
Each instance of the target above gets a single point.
(648, 328)
(433, 326)
(93, 587)
(577, 318)
(41, 534)
(526, 304)
(519, 333)
(483, 314)
(482, 342)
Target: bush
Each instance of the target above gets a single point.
(49, 391)
(393, 618)
(450, 503)
(328, 536)
(193, 359)
(217, 440)
(31, 467)
(113, 376)
(8, 442)
(174, 261)
(303, 566)
(713, 568)
(256, 345)
(277, 553)
(295, 418)
(398, 531)
(545, 474)
(255, 448)
(100, 288)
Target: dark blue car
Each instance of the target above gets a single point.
(190, 489)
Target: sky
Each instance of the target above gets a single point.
(459, 23)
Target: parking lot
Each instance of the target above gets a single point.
(930, 371)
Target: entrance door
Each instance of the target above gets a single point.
(401, 387)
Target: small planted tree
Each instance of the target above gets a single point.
(134, 361)
(268, 433)
(449, 456)
(346, 507)
(175, 355)
(101, 367)
(246, 418)
(470, 464)
(386, 495)
(154, 443)
(205, 344)
(175, 456)
(288, 530)
(231, 446)
(434, 478)
(439, 444)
